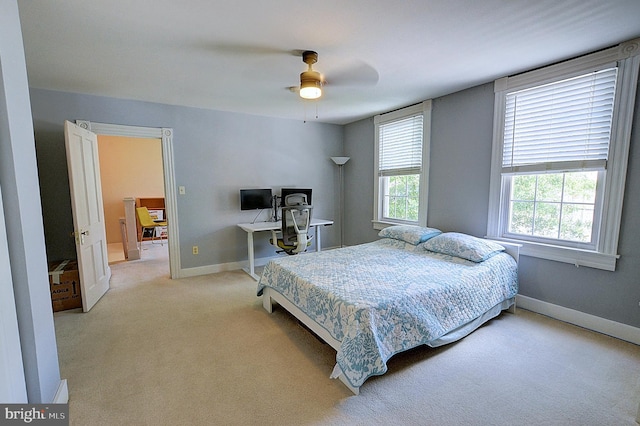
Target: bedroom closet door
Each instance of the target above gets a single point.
(88, 213)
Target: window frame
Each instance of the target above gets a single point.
(604, 254)
(379, 221)
(591, 245)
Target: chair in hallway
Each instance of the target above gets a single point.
(146, 222)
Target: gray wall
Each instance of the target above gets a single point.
(461, 138)
(216, 154)
(459, 196)
(358, 182)
(23, 215)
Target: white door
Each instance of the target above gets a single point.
(88, 213)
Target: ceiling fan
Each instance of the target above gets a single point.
(310, 81)
(351, 72)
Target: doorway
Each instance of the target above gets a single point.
(165, 135)
(129, 167)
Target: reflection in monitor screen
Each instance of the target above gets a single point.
(253, 199)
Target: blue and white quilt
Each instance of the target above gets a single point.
(388, 296)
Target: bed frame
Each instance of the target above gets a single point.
(269, 296)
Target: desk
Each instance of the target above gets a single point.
(250, 228)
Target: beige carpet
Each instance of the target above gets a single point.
(202, 351)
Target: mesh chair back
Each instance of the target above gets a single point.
(295, 221)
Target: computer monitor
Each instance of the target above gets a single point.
(254, 199)
(288, 191)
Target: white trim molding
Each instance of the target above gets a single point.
(626, 56)
(573, 256)
(62, 394)
(171, 203)
(214, 269)
(233, 266)
(425, 107)
(581, 319)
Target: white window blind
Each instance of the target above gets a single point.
(564, 125)
(400, 142)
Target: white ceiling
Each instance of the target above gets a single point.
(238, 55)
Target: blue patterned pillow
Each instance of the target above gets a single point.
(464, 246)
(412, 234)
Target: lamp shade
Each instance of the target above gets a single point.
(340, 160)
(310, 85)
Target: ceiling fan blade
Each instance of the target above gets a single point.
(358, 74)
(252, 49)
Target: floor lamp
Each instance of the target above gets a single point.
(341, 161)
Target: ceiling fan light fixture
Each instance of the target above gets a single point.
(310, 85)
(310, 80)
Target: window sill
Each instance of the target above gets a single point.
(577, 257)
(379, 224)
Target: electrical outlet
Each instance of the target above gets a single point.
(195, 249)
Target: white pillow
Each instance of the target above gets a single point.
(411, 234)
(463, 246)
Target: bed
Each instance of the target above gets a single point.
(414, 286)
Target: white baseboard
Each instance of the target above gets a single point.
(231, 266)
(221, 267)
(209, 269)
(62, 394)
(591, 322)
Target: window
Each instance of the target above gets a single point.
(561, 142)
(402, 159)
(555, 206)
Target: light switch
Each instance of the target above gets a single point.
(181, 190)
